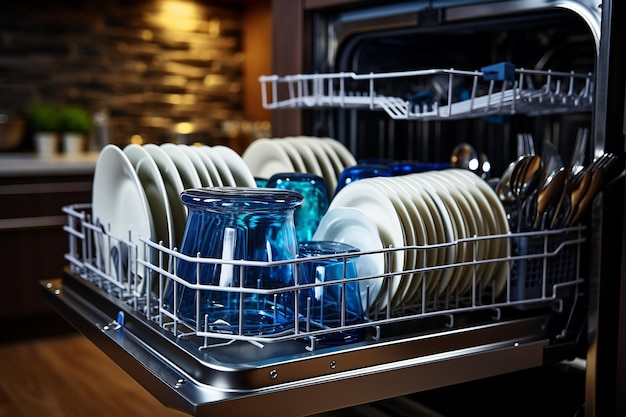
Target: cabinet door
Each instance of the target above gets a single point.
(32, 240)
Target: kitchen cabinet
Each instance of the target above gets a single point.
(32, 240)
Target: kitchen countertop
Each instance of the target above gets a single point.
(31, 164)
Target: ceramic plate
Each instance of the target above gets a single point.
(294, 155)
(434, 229)
(328, 172)
(222, 167)
(463, 231)
(500, 275)
(308, 157)
(450, 225)
(155, 191)
(338, 166)
(416, 257)
(173, 186)
(201, 169)
(475, 250)
(352, 226)
(486, 213)
(377, 207)
(183, 164)
(342, 152)
(120, 205)
(241, 172)
(216, 179)
(409, 232)
(265, 157)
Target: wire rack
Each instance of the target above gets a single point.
(433, 94)
(540, 269)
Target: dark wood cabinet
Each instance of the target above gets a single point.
(33, 244)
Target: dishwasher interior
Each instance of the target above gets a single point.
(367, 90)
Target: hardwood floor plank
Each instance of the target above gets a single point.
(67, 376)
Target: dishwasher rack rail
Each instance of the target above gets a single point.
(201, 371)
(435, 94)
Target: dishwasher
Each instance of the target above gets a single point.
(408, 80)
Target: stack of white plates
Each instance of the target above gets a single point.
(325, 157)
(437, 207)
(136, 191)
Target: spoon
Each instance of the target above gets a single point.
(465, 156)
(503, 188)
(552, 189)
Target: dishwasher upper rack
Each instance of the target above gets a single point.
(436, 94)
(541, 268)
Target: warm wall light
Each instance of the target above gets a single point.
(177, 15)
(183, 128)
(136, 139)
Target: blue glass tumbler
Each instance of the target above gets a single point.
(238, 223)
(315, 203)
(358, 172)
(334, 305)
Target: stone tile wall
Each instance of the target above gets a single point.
(152, 65)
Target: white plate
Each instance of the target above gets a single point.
(486, 213)
(475, 227)
(155, 191)
(238, 168)
(201, 169)
(216, 179)
(414, 236)
(265, 158)
(173, 186)
(435, 209)
(434, 233)
(342, 152)
(352, 226)
(294, 155)
(308, 157)
(451, 234)
(120, 205)
(500, 275)
(222, 167)
(379, 209)
(464, 251)
(185, 167)
(338, 166)
(328, 172)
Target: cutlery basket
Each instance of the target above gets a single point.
(542, 263)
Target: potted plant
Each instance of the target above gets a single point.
(75, 124)
(44, 122)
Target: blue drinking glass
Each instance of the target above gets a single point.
(357, 172)
(324, 306)
(238, 223)
(315, 203)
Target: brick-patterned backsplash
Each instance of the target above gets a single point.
(151, 64)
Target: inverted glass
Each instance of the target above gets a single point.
(238, 223)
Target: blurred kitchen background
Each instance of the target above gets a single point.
(142, 71)
(146, 71)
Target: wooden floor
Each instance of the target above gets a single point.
(67, 376)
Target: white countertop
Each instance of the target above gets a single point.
(31, 164)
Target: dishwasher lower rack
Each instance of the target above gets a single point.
(439, 340)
